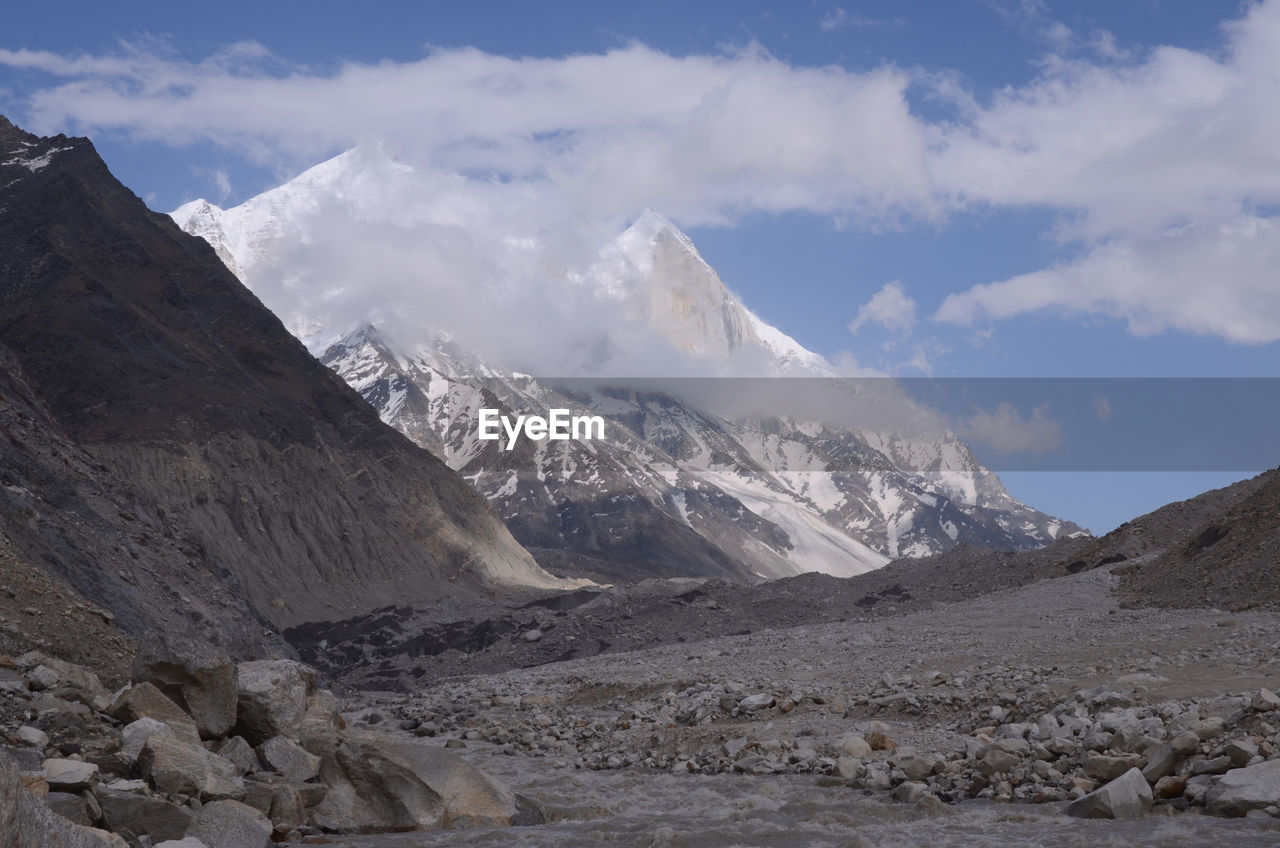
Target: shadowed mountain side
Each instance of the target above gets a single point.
(152, 356)
(72, 531)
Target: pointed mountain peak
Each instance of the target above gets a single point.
(650, 225)
(195, 210)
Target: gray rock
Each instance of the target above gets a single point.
(759, 701)
(320, 722)
(287, 807)
(32, 736)
(1265, 701)
(910, 792)
(73, 682)
(146, 701)
(70, 806)
(532, 636)
(1240, 752)
(70, 775)
(1185, 743)
(134, 736)
(195, 675)
(1217, 765)
(1241, 790)
(176, 766)
(1161, 761)
(259, 794)
(240, 754)
(42, 678)
(1106, 768)
(733, 747)
(29, 823)
(188, 842)
(272, 699)
(289, 759)
(1208, 728)
(854, 745)
(848, 767)
(996, 761)
(378, 782)
(230, 824)
(1126, 797)
(138, 787)
(917, 768)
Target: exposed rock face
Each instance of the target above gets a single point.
(265, 479)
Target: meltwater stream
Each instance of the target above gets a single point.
(644, 808)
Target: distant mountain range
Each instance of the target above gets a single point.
(675, 489)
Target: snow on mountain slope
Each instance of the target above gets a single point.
(675, 488)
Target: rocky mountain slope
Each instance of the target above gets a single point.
(675, 489)
(262, 477)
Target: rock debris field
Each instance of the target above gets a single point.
(1050, 698)
(1044, 714)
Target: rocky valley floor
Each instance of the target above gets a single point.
(976, 721)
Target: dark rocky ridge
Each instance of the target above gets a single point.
(154, 359)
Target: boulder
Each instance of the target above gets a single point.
(146, 701)
(917, 768)
(1209, 727)
(27, 822)
(143, 815)
(64, 679)
(289, 759)
(1265, 701)
(176, 766)
(1126, 797)
(1161, 761)
(188, 842)
(134, 736)
(33, 736)
(240, 754)
(760, 701)
(379, 783)
(70, 775)
(196, 676)
(1104, 768)
(854, 745)
(1240, 752)
(70, 806)
(230, 824)
(272, 698)
(1241, 790)
(320, 720)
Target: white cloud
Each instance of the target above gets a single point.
(1210, 279)
(890, 307)
(695, 136)
(1006, 431)
(1161, 165)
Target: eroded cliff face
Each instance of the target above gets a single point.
(271, 481)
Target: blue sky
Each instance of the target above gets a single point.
(1012, 188)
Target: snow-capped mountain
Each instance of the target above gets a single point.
(676, 487)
